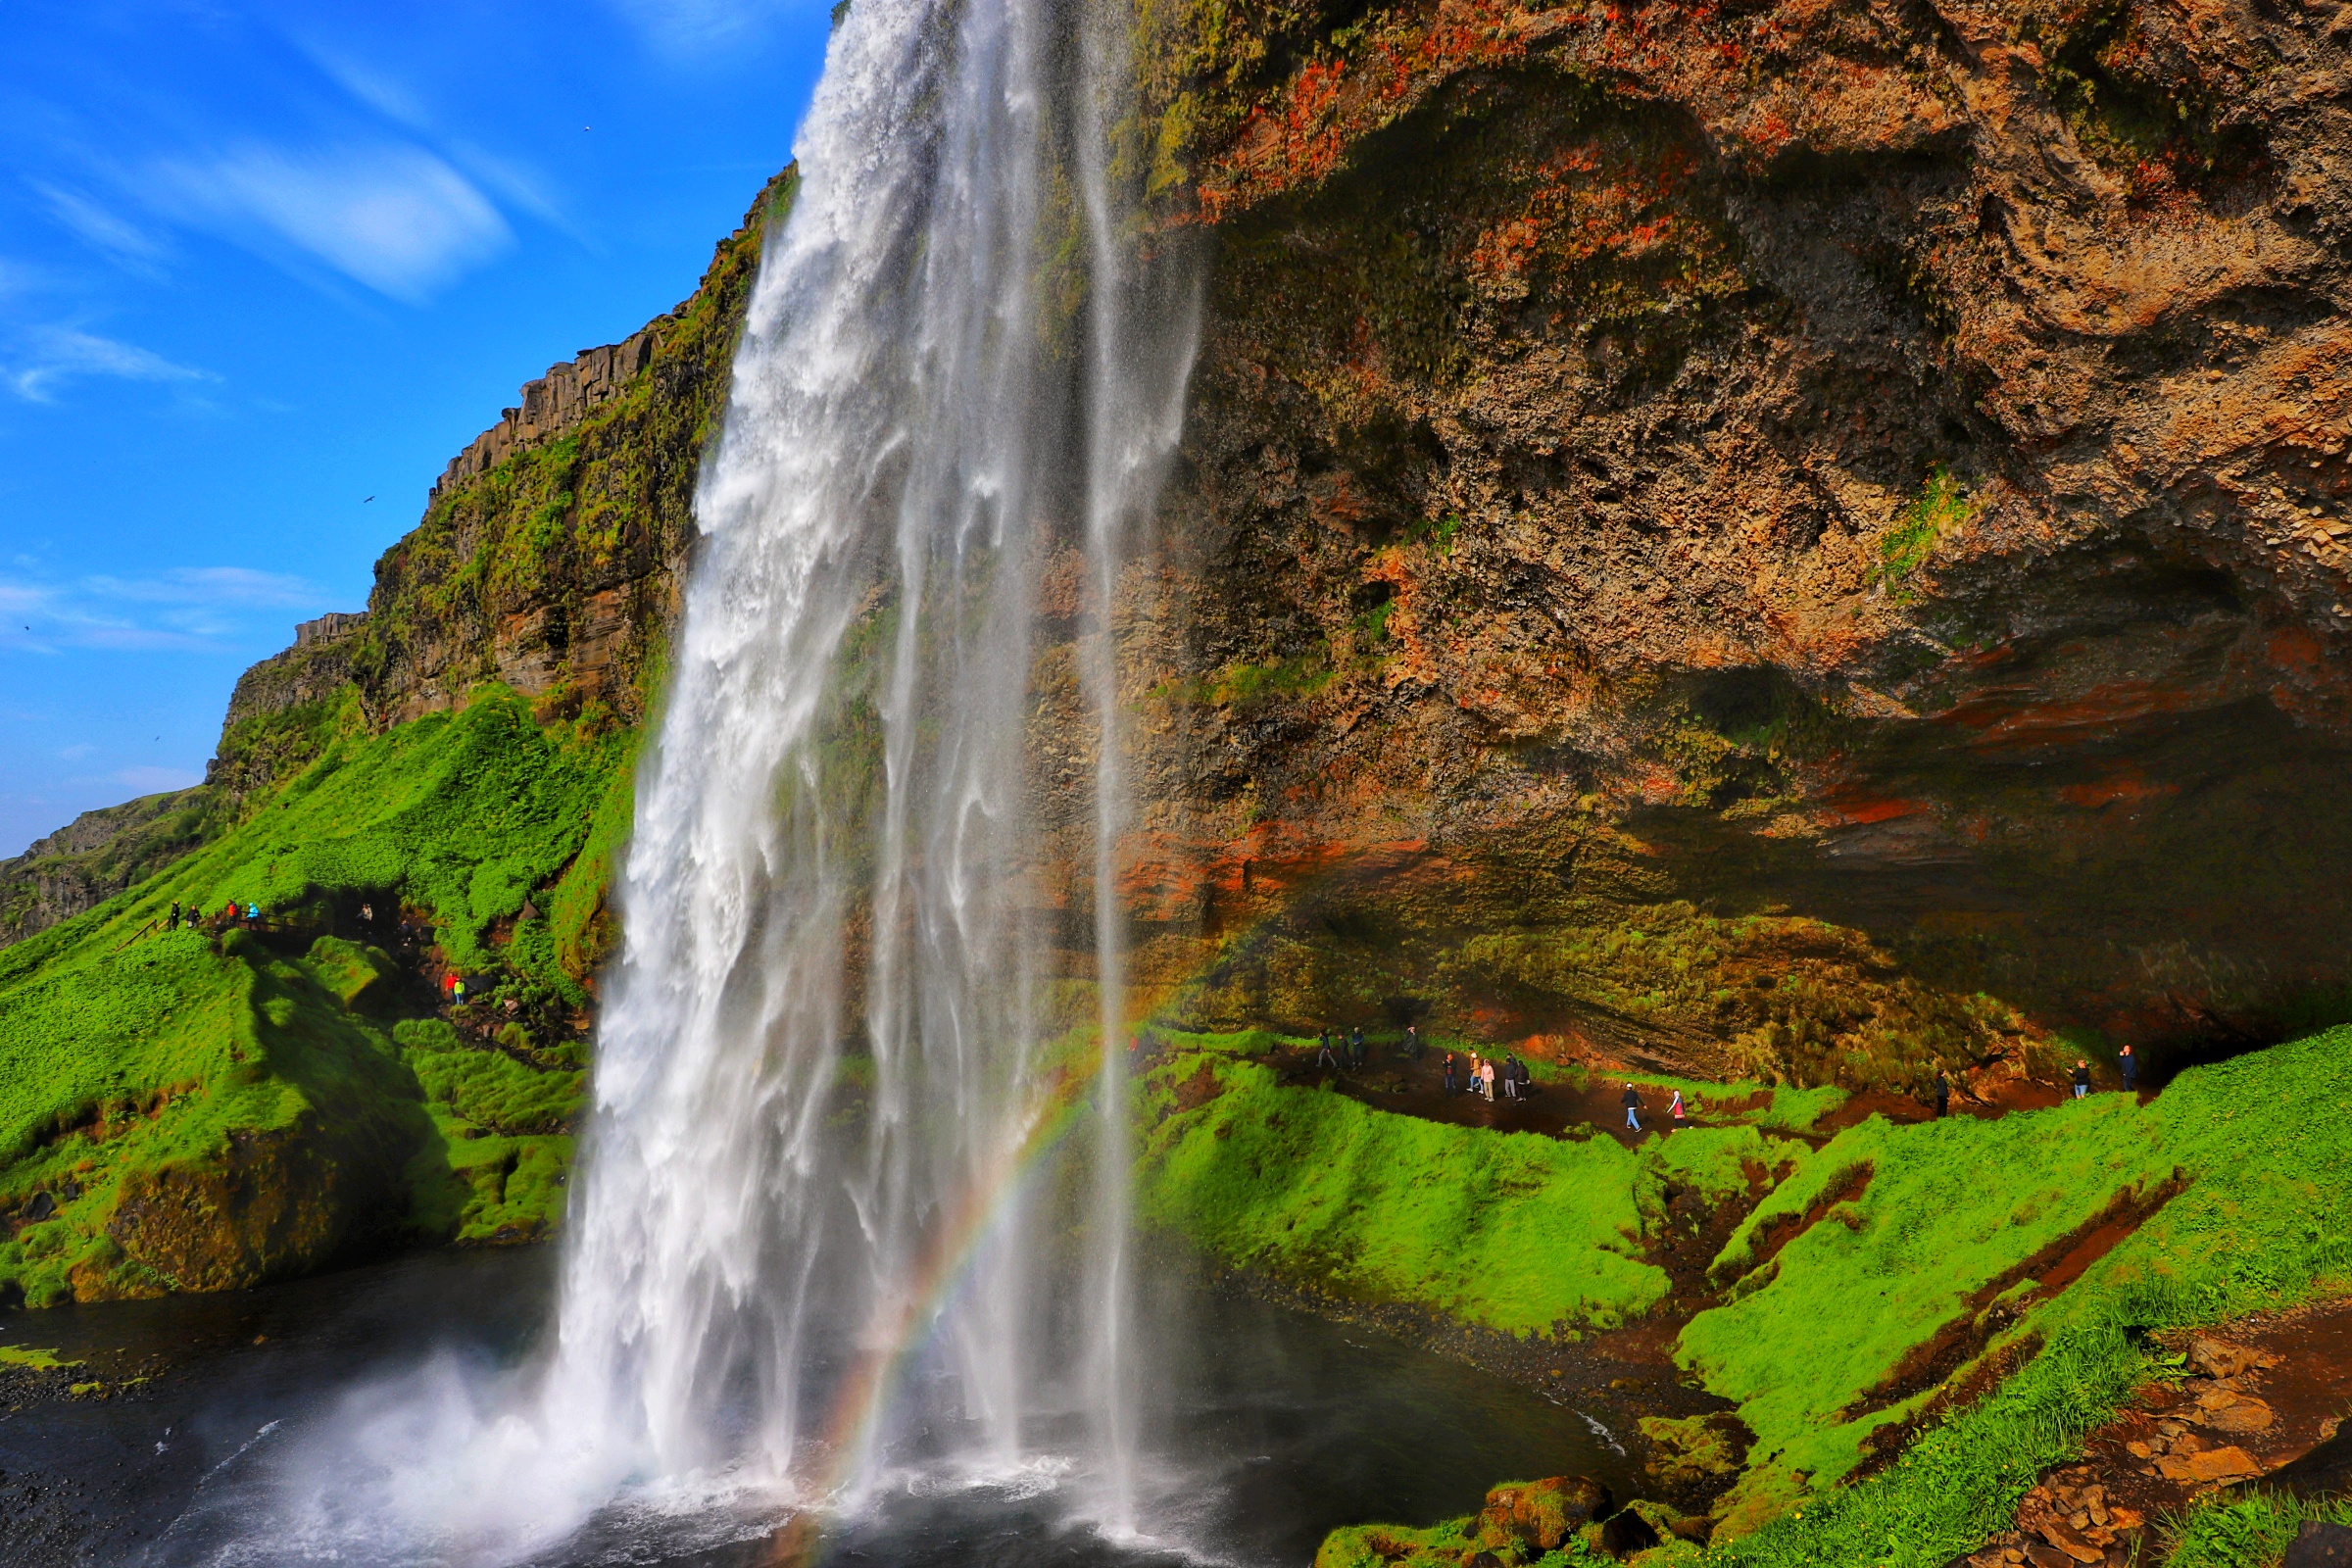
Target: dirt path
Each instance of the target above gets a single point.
(1389, 1082)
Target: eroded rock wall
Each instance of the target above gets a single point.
(1692, 505)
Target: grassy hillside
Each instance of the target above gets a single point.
(1834, 1338)
(1514, 1232)
(193, 1110)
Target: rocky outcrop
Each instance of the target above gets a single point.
(271, 1206)
(554, 403)
(1798, 541)
(552, 548)
(97, 855)
(552, 551)
(1659, 469)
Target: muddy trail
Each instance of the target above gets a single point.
(1392, 1082)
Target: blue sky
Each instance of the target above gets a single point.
(259, 262)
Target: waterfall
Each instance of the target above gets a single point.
(851, 1205)
(855, 1191)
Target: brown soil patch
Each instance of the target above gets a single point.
(2253, 1399)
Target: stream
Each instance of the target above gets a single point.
(1272, 1428)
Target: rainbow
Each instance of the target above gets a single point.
(947, 1262)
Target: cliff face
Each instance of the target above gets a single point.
(550, 555)
(1768, 536)
(95, 856)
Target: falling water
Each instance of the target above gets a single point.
(850, 1011)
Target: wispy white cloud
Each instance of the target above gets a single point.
(100, 226)
(513, 181)
(394, 217)
(50, 355)
(188, 609)
(689, 29)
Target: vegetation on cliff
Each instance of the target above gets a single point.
(1515, 1231)
(193, 1110)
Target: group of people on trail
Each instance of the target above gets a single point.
(1350, 1049)
(1508, 1077)
(2080, 1080)
(1677, 1115)
(231, 913)
(1346, 1052)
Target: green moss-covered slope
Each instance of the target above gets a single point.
(1514, 1232)
(1918, 1272)
(184, 1109)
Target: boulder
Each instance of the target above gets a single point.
(1540, 1514)
(2211, 1465)
(2324, 1472)
(2319, 1544)
(2220, 1359)
(1626, 1532)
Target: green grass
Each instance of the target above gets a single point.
(2245, 1532)
(1943, 505)
(1515, 1231)
(127, 1057)
(2264, 1144)
(32, 1358)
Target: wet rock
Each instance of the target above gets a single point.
(2212, 1466)
(2072, 1517)
(2324, 1472)
(2225, 1412)
(1540, 1513)
(1626, 1532)
(2319, 1544)
(271, 1205)
(2219, 1359)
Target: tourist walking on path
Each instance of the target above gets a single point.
(1633, 1108)
(2131, 1065)
(1324, 1057)
(1413, 1043)
(1486, 1073)
(1508, 1077)
(1450, 1084)
(1943, 1096)
(1355, 1045)
(2082, 1078)
(1675, 1109)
